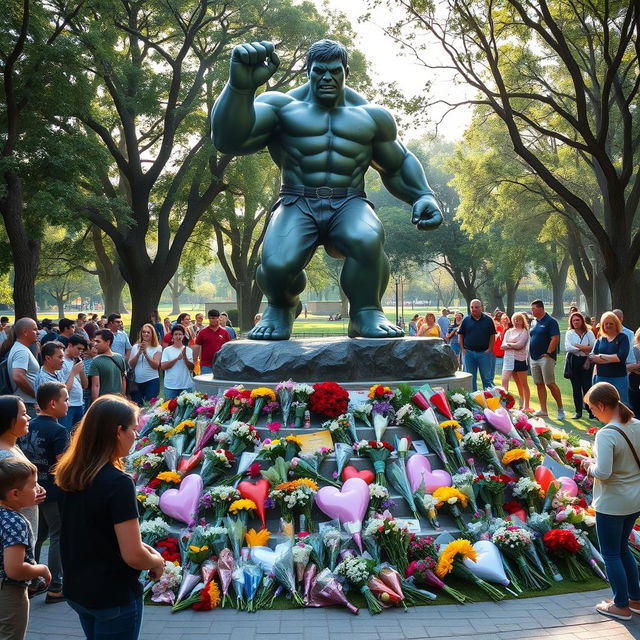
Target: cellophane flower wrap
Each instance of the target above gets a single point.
(215, 463)
(479, 444)
(393, 538)
(564, 545)
(357, 571)
(301, 394)
(515, 543)
(340, 428)
(452, 500)
(260, 396)
(217, 500)
(238, 437)
(285, 396)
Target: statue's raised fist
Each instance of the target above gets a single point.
(252, 64)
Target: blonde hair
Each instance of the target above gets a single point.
(606, 394)
(610, 316)
(95, 442)
(154, 336)
(522, 316)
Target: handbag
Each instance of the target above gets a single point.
(129, 373)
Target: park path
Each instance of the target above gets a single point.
(565, 617)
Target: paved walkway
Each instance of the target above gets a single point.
(565, 617)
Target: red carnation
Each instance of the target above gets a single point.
(173, 403)
(329, 399)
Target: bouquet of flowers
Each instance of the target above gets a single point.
(393, 539)
(452, 437)
(218, 500)
(238, 436)
(361, 411)
(292, 446)
(377, 495)
(539, 524)
(167, 480)
(285, 396)
(450, 561)
(272, 449)
(529, 491)
(480, 445)
(422, 572)
(301, 557)
(465, 417)
(169, 549)
(519, 461)
(357, 572)
(329, 399)
(492, 489)
(153, 530)
(438, 399)
(269, 409)
(284, 573)
(205, 431)
(340, 428)
(332, 539)
(223, 407)
(326, 591)
(514, 542)
(343, 453)
(308, 465)
(226, 565)
(426, 503)
(150, 502)
(252, 577)
(300, 404)
(260, 396)
(188, 402)
(463, 481)
(563, 544)
(293, 496)
(149, 464)
(381, 408)
(156, 416)
(215, 463)
(209, 597)
(164, 590)
(452, 499)
(378, 452)
(397, 473)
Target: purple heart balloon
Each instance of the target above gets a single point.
(182, 503)
(419, 471)
(348, 504)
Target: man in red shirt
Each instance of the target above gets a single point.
(209, 341)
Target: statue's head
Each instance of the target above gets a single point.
(328, 69)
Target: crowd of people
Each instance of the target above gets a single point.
(529, 343)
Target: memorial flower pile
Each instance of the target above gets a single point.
(271, 511)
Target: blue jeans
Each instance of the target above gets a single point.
(146, 391)
(169, 394)
(481, 361)
(621, 384)
(112, 623)
(74, 415)
(622, 570)
(204, 369)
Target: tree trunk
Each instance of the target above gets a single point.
(60, 304)
(109, 276)
(495, 299)
(248, 297)
(512, 288)
(344, 303)
(558, 287)
(175, 302)
(145, 297)
(25, 251)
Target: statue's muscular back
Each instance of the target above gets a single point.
(318, 146)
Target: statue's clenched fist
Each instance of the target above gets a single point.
(252, 64)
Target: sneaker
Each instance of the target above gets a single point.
(36, 591)
(561, 415)
(540, 414)
(609, 609)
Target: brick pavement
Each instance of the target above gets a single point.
(565, 617)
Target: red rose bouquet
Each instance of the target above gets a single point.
(563, 544)
(329, 399)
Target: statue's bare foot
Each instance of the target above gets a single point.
(275, 324)
(372, 323)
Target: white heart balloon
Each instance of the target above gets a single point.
(489, 564)
(265, 557)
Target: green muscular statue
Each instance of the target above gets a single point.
(323, 136)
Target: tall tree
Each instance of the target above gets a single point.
(565, 72)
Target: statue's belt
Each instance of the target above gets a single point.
(327, 193)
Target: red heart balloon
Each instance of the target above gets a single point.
(257, 492)
(543, 477)
(520, 513)
(351, 472)
(189, 464)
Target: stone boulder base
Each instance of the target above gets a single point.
(336, 359)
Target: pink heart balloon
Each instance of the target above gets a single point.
(568, 485)
(347, 504)
(501, 420)
(182, 503)
(419, 471)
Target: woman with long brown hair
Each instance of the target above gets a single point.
(102, 551)
(578, 343)
(616, 495)
(144, 359)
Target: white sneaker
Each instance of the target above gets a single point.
(561, 415)
(540, 414)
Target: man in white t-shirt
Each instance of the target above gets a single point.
(177, 364)
(73, 358)
(121, 343)
(22, 364)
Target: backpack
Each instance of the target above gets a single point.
(6, 387)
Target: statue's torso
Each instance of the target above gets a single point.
(315, 146)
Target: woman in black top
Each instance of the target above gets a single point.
(610, 355)
(102, 552)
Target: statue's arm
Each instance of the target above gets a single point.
(401, 172)
(241, 124)
(399, 169)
